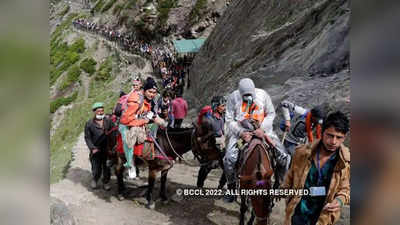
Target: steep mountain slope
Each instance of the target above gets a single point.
(278, 44)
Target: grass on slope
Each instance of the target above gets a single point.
(109, 4)
(54, 105)
(88, 65)
(75, 118)
(62, 56)
(164, 6)
(197, 10)
(73, 124)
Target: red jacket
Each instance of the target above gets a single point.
(179, 108)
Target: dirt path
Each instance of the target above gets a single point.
(85, 85)
(100, 207)
(112, 44)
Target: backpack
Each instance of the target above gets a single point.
(282, 125)
(122, 104)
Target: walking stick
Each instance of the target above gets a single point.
(284, 136)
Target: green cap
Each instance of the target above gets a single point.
(97, 105)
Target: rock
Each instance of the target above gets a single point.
(272, 42)
(59, 213)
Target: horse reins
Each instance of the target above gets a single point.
(173, 149)
(111, 130)
(159, 147)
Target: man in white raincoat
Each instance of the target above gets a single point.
(249, 102)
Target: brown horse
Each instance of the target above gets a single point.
(170, 144)
(255, 172)
(208, 156)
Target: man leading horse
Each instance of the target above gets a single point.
(209, 139)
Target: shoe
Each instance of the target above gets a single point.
(132, 173)
(109, 163)
(107, 186)
(93, 184)
(230, 198)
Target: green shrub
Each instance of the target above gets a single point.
(57, 54)
(105, 69)
(197, 10)
(55, 72)
(54, 105)
(118, 8)
(63, 26)
(78, 46)
(88, 65)
(98, 6)
(72, 77)
(164, 7)
(71, 57)
(109, 4)
(64, 11)
(130, 4)
(63, 56)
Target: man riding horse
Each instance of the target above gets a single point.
(143, 129)
(249, 102)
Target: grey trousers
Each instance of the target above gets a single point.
(290, 147)
(282, 159)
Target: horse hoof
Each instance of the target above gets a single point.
(120, 197)
(151, 206)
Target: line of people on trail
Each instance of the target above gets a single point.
(171, 70)
(127, 42)
(173, 74)
(320, 164)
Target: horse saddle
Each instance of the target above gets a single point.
(145, 150)
(247, 149)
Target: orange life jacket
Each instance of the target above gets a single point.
(309, 129)
(253, 112)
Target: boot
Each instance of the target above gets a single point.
(202, 176)
(132, 173)
(107, 186)
(230, 198)
(93, 184)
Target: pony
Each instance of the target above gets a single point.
(255, 171)
(208, 155)
(170, 144)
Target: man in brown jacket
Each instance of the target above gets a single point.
(323, 167)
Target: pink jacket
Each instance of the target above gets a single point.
(179, 108)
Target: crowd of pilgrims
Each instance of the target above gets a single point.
(171, 69)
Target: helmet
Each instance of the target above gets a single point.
(319, 113)
(97, 105)
(216, 101)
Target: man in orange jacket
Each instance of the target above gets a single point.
(138, 114)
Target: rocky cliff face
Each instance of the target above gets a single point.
(294, 49)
